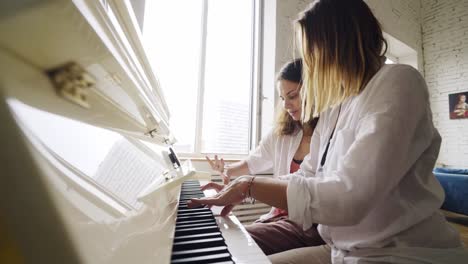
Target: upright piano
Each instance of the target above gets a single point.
(88, 174)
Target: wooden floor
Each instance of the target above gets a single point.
(460, 222)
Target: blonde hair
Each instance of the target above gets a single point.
(342, 48)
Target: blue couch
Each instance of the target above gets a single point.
(455, 184)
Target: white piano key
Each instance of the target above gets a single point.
(240, 244)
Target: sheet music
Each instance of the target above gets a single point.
(126, 171)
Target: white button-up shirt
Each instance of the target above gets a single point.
(274, 153)
(376, 198)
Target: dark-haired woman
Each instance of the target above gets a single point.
(368, 180)
(283, 150)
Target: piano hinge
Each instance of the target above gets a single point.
(72, 82)
(153, 132)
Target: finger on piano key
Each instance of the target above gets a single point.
(194, 228)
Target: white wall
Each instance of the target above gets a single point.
(445, 43)
(287, 13)
(402, 20)
(399, 18)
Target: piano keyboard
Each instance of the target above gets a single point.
(197, 238)
(202, 236)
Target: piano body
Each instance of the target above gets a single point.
(88, 175)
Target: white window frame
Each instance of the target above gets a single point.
(255, 85)
(392, 57)
(400, 52)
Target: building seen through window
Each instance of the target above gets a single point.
(203, 55)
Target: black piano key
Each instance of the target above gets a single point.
(184, 227)
(191, 190)
(192, 187)
(207, 218)
(191, 182)
(197, 220)
(189, 197)
(194, 217)
(198, 252)
(188, 216)
(195, 213)
(192, 224)
(205, 259)
(184, 206)
(192, 194)
(195, 224)
(186, 191)
(198, 243)
(185, 215)
(184, 202)
(203, 209)
(196, 230)
(197, 238)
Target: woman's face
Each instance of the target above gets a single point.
(463, 98)
(290, 95)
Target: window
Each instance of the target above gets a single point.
(202, 52)
(389, 61)
(400, 53)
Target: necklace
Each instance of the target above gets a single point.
(324, 156)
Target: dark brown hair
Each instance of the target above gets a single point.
(285, 124)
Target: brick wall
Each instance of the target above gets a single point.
(445, 44)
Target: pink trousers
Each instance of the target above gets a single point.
(280, 234)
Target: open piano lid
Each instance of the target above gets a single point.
(81, 60)
(91, 63)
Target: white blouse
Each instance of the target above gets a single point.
(376, 199)
(274, 152)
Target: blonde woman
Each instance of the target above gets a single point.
(368, 181)
(282, 150)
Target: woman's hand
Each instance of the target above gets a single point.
(218, 165)
(228, 196)
(213, 186)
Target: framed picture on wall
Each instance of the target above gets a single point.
(458, 106)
